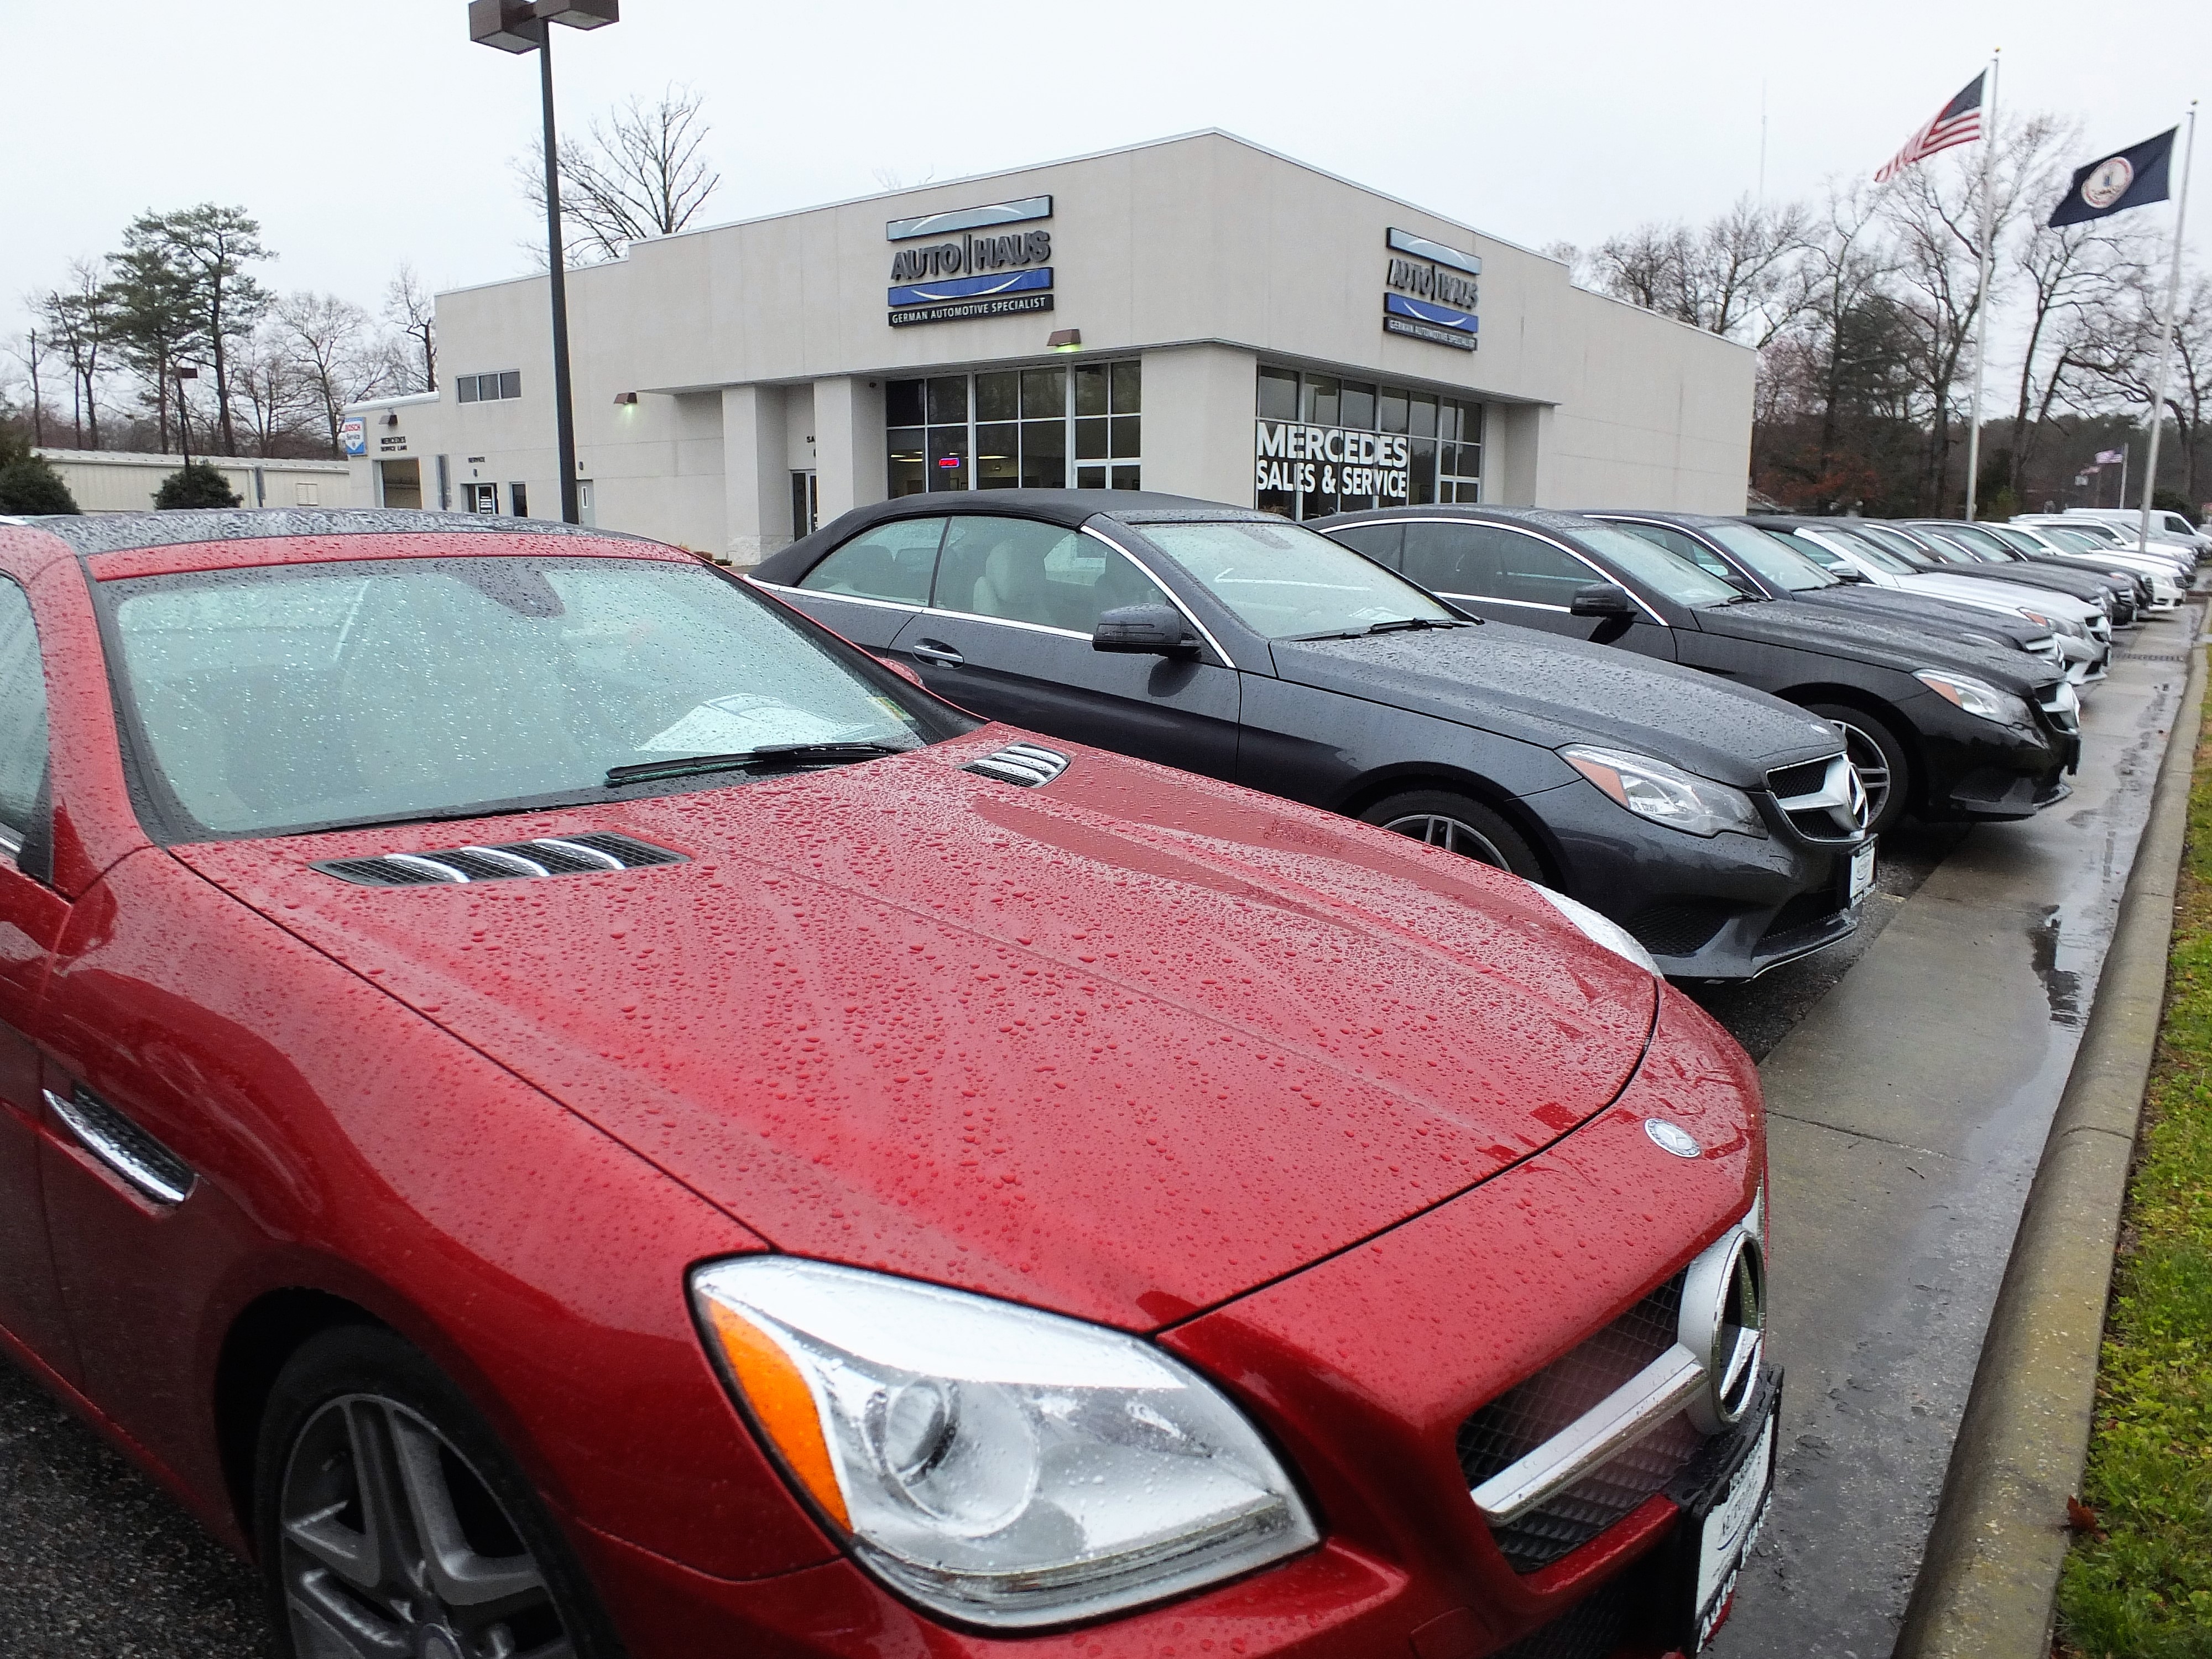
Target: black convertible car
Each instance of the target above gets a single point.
(1723, 829)
(1936, 726)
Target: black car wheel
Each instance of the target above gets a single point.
(1458, 824)
(1884, 767)
(391, 1521)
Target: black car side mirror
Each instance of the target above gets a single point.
(1602, 599)
(1156, 630)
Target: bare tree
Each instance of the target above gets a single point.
(32, 353)
(333, 352)
(1732, 276)
(639, 173)
(80, 320)
(1936, 212)
(410, 307)
(2120, 348)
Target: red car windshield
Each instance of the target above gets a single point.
(280, 698)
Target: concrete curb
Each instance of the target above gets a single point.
(1990, 1573)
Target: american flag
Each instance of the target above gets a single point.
(1959, 122)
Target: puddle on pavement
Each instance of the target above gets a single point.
(2062, 988)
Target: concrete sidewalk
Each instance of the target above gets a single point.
(1908, 1112)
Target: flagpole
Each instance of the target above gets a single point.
(1982, 295)
(2166, 333)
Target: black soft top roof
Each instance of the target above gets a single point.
(1071, 507)
(1535, 518)
(1687, 520)
(117, 532)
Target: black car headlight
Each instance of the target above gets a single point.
(1666, 795)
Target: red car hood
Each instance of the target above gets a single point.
(1125, 1046)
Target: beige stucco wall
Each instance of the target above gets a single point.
(1204, 255)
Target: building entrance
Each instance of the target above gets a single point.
(805, 504)
(399, 483)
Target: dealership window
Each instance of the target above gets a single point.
(1331, 444)
(488, 388)
(1025, 428)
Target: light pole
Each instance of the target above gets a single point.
(184, 427)
(520, 26)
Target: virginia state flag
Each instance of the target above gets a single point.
(2130, 178)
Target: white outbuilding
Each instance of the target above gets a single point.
(1198, 315)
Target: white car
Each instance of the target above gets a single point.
(2168, 577)
(2083, 632)
(2165, 524)
(2118, 533)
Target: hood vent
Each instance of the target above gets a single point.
(555, 855)
(1028, 764)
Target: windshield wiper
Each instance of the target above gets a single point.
(1398, 624)
(1395, 625)
(771, 754)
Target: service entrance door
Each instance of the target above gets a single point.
(481, 497)
(806, 505)
(399, 483)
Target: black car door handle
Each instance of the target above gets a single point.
(937, 654)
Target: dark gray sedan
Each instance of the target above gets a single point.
(1722, 828)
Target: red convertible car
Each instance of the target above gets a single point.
(846, 1179)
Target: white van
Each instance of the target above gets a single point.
(2163, 523)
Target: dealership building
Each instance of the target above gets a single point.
(1199, 315)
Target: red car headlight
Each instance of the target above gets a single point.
(997, 1465)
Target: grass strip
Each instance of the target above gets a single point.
(2138, 1585)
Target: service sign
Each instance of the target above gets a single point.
(961, 265)
(1333, 459)
(352, 436)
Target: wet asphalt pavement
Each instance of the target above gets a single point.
(97, 1563)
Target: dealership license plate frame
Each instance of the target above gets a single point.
(1862, 872)
(1740, 1466)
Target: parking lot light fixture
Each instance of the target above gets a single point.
(518, 26)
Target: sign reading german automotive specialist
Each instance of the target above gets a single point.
(1333, 459)
(1433, 295)
(976, 276)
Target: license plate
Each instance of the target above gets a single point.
(1861, 872)
(1727, 1533)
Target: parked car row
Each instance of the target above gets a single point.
(567, 1107)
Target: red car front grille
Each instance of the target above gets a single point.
(1527, 1415)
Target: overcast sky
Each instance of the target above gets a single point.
(363, 134)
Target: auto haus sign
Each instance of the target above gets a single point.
(1430, 291)
(962, 265)
(1333, 459)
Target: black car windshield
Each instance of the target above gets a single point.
(1283, 580)
(1863, 547)
(1896, 542)
(1771, 559)
(280, 698)
(1668, 573)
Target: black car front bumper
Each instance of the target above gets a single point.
(1721, 907)
(1979, 770)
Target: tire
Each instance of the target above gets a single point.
(1882, 758)
(347, 1561)
(1461, 824)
